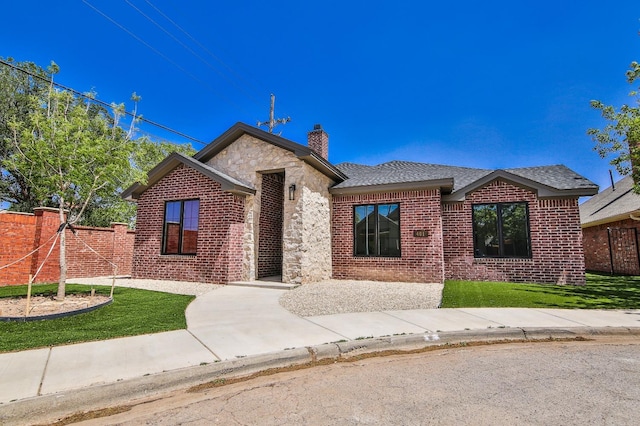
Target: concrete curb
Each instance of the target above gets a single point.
(51, 407)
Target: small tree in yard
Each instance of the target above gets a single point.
(71, 150)
(621, 137)
(108, 208)
(17, 91)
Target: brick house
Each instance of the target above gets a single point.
(610, 222)
(252, 205)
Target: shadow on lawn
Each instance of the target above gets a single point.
(600, 292)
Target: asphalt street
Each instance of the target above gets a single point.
(567, 383)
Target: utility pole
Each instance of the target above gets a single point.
(272, 121)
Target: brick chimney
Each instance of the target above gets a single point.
(318, 140)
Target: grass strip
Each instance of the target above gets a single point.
(133, 312)
(600, 292)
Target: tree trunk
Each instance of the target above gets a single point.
(63, 258)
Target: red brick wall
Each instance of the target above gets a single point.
(221, 218)
(270, 229)
(22, 233)
(318, 140)
(556, 239)
(596, 248)
(47, 224)
(17, 235)
(421, 257)
(113, 245)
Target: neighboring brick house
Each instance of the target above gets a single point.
(610, 223)
(251, 205)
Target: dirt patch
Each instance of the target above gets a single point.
(47, 305)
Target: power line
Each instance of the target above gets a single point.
(192, 38)
(93, 99)
(188, 49)
(162, 55)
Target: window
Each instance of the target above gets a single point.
(501, 230)
(377, 230)
(180, 234)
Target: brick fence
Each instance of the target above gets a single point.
(20, 233)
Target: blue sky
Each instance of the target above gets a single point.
(494, 84)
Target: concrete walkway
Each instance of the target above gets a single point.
(233, 323)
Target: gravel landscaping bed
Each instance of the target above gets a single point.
(176, 287)
(344, 296)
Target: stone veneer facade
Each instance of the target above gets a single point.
(306, 242)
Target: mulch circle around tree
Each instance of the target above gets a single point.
(46, 307)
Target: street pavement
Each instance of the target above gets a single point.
(245, 329)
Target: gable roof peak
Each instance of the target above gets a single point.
(173, 160)
(303, 152)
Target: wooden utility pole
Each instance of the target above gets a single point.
(272, 123)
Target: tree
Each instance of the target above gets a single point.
(24, 88)
(68, 150)
(621, 137)
(111, 207)
(18, 90)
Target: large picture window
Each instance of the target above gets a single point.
(501, 230)
(180, 233)
(377, 230)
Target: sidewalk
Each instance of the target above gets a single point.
(233, 325)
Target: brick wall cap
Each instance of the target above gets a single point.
(91, 228)
(18, 213)
(48, 209)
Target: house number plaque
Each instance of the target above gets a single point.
(420, 233)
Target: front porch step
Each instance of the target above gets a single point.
(264, 284)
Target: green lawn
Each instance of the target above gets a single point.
(601, 292)
(132, 312)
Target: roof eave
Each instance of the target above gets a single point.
(133, 192)
(233, 133)
(610, 219)
(543, 191)
(174, 160)
(238, 189)
(442, 184)
(322, 165)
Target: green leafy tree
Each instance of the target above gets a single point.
(70, 152)
(24, 88)
(108, 208)
(20, 95)
(620, 138)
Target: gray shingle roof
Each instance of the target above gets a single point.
(610, 205)
(557, 177)
(406, 171)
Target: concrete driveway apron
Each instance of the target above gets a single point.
(234, 322)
